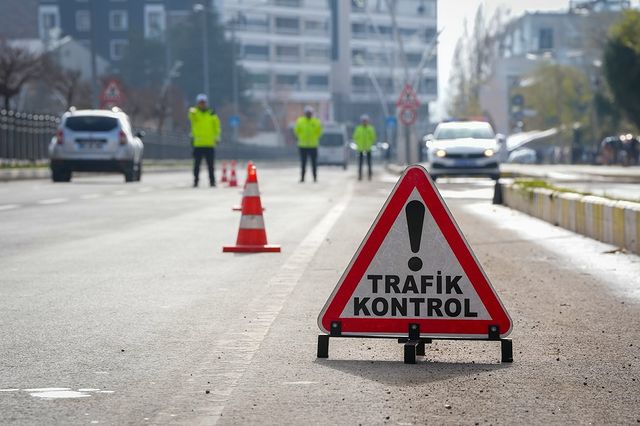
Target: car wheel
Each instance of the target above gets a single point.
(130, 173)
(344, 166)
(61, 175)
(139, 171)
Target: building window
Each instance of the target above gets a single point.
(154, 21)
(316, 53)
(429, 86)
(118, 20)
(358, 30)
(291, 81)
(545, 39)
(317, 81)
(117, 49)
(259, 80)
(48, 19)
(256, 52)
(248, 21)
(288, 25)
(288, 3)
(316, 27)
(288, 53)
(83, 20)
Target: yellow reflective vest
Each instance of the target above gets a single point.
(308, 132)
(364, 137)
(205, 127)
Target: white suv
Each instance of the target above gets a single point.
(95, 141)
(464, 148)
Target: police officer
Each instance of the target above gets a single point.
(308, 130)
(205, 132)
(364, 136)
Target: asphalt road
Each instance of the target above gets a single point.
(117, 306)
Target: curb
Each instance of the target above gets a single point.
(609, 221)
(9, 175)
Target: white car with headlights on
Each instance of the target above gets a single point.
(464, 148)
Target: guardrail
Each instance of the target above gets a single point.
(25, 137)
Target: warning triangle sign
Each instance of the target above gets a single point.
(408, 98)
(414, 267)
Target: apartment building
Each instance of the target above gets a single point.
(286, 47)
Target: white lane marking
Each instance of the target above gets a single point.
(145, 189)
(46, 389)
(122, 192)
(53, 201)
(88, 390)
(237, 348)
(9, 207)
(60, 394)
(91, 196)
(9, 390)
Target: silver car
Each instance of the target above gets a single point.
(463, 148)
(95, 141)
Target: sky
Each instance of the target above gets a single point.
(451, 17)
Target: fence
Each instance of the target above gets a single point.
(25, 137)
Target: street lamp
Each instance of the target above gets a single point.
(201, 8)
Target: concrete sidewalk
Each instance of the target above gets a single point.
(572, 172)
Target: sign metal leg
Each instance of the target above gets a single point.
(506, 347)
(323, 346)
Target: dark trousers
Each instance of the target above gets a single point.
(312, 153)
(362, 154)
(209, 155)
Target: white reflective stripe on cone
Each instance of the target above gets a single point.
(251, 222)
(251, 190)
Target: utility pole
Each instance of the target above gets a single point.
(234, 82)
(204, 9)
(94, 65)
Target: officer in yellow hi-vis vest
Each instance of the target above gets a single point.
(205, 132)
(308, 130)
(365, 137)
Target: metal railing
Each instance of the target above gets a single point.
(24, 137)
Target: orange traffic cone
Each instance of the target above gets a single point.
(252, 236)
(249, 166)
(233, 180)
(224, 172)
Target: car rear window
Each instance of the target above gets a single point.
(329, 139)
(91, 123)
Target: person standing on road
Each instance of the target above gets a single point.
(365, 137)
(308, 130)
(205, 132)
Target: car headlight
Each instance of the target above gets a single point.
(489, 152)
(441, 153)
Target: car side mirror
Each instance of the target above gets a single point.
(427, 139)
(140, 134)
(502, 139)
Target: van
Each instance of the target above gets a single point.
(333, 145)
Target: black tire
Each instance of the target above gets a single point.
(129, 173)
(61, 175)
(344, 166)
(139, 171)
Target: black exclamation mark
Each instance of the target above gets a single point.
(415, 219)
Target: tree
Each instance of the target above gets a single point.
(473, 61)
(17, 67)
(186, 44)
(622, 64)
(559, 95)
(68, 84)
(144, 62)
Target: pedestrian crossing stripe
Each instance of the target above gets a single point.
(415, 267)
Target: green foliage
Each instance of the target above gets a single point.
(622, 64)
(186, 45)
(560, 95)
(144, 63)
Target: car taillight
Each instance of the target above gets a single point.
(60, 137)
(122, 137)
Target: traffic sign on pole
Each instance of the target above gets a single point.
(415, 271)
(408, 116)
(112, 94)
(408, 98)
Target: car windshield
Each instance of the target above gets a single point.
(91, 123)
(332, 139)
(475, 132)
